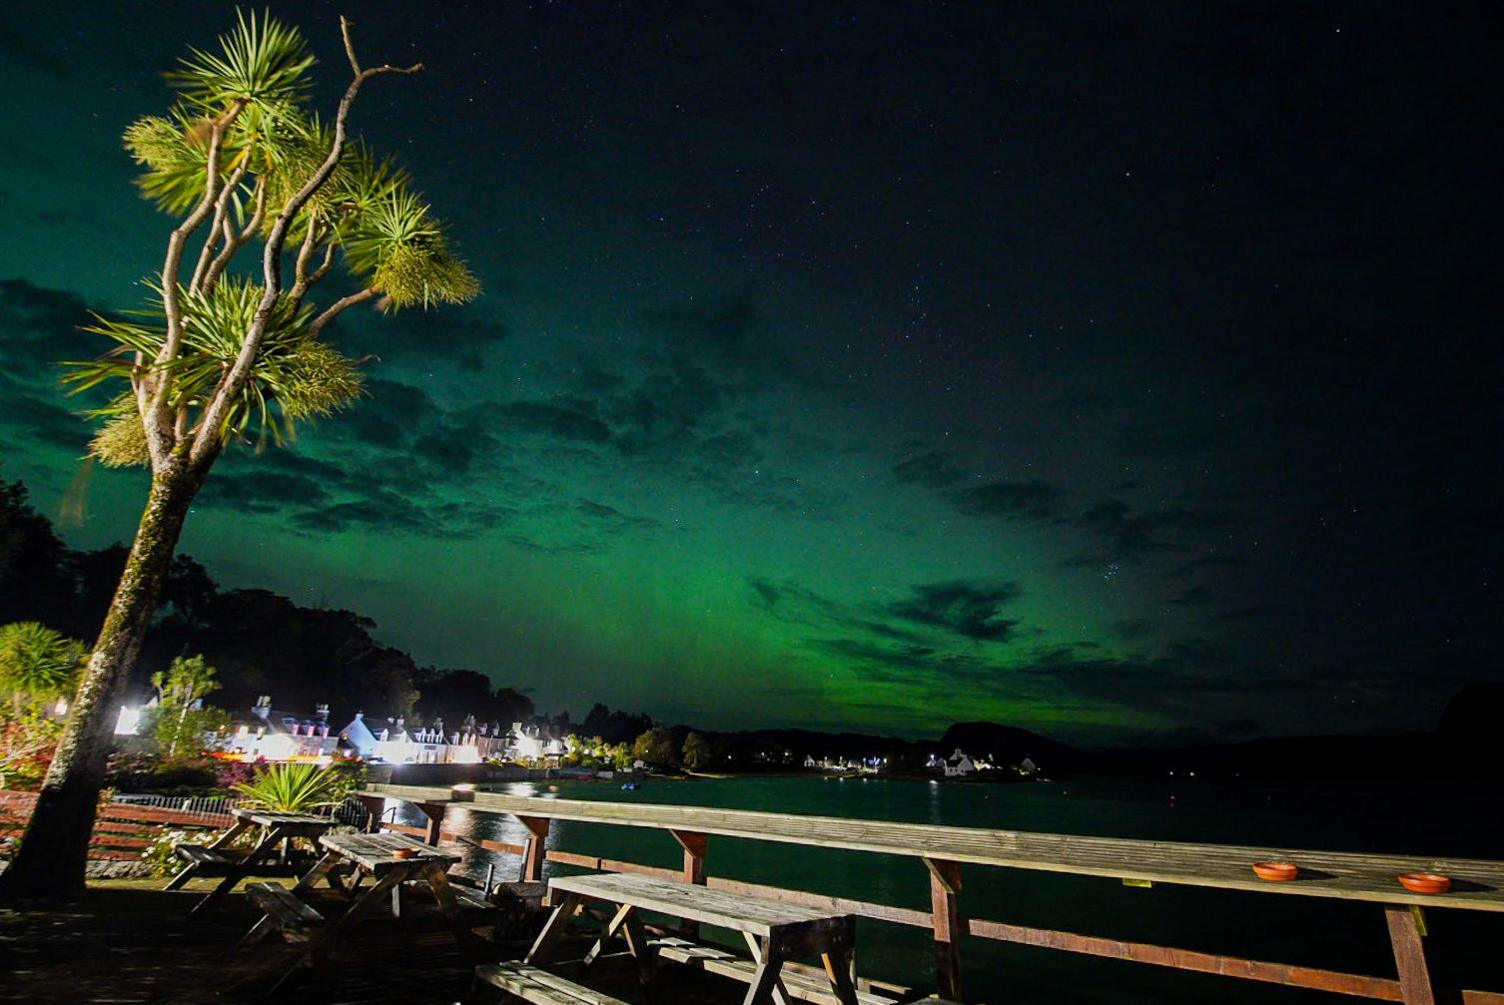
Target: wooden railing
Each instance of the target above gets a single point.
(1479, 885)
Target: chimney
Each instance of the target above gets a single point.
(321, 712)
(263, 707)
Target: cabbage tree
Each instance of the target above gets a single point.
(217, 357)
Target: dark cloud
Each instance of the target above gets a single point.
(572, 421)
(936, 470)
(1193, 596)
(388, 513)
(42, 326)
(462, 336)
(264, 491)
(966, 609)
(1010, 500)
(36, 418)
(1130, 536)
(1131, 628)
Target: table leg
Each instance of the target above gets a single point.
(438, 882)
(239, 872)
(553, 929)
(838, 967)
(614, 926)
(769, 975)
(324, 945)
(326, 866)
(767, 982)
(637, 942)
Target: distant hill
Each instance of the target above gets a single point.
(1010, 745)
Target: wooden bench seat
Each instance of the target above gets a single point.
(201, 856)
(539, 986)
(714, 960)
(285, 913)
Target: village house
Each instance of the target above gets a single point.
(957, 765)
(392, 741)
(272, 735)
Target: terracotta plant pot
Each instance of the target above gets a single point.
(1276, 872)
(1424, 882)
(403, 853)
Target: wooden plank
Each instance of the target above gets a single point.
(281, 903)
(1410, 956)
(537, 985)
(375, 852)
(762, 918)
(1286, 974)
(945, 884)
(798, 983)
(1326, 874)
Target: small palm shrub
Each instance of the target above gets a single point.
(293, 788)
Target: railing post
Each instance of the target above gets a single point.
(945, 915)
(695, 845)
(435, 822)
(1406, 934)
(535, 851)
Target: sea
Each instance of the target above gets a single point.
(1427, 819)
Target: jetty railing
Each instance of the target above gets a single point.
(1478, 885)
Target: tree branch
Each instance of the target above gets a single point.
(157, 380)
(206, 444)
(221, 224)
(223, 259)
(336, 309)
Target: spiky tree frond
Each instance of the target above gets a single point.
(261, 62)
(121, 441)
(293, 377)
(399, 245)
(418, 276)
(312, 379)
(37, 661)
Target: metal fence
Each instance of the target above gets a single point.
(188, 804)
(351, 811)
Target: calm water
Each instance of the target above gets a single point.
(1285, 929)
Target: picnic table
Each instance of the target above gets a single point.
(210, 859)
(388, 860)
(775, 932)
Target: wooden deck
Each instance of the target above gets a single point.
(1334, 876)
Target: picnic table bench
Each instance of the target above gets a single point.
(389, 861)
(775, 932)
(211, 860)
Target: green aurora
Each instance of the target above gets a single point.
(768, 419)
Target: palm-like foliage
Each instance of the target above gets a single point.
(239, 125)
(260, 62)
(37, 662)
(293, 376)
(292, 787)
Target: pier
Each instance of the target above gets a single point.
(947, 853)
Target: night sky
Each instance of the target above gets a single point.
(1127, 373)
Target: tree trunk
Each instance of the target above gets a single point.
(50, 862)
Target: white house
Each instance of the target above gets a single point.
(390, 740)
(270, 735)
(957, 765)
